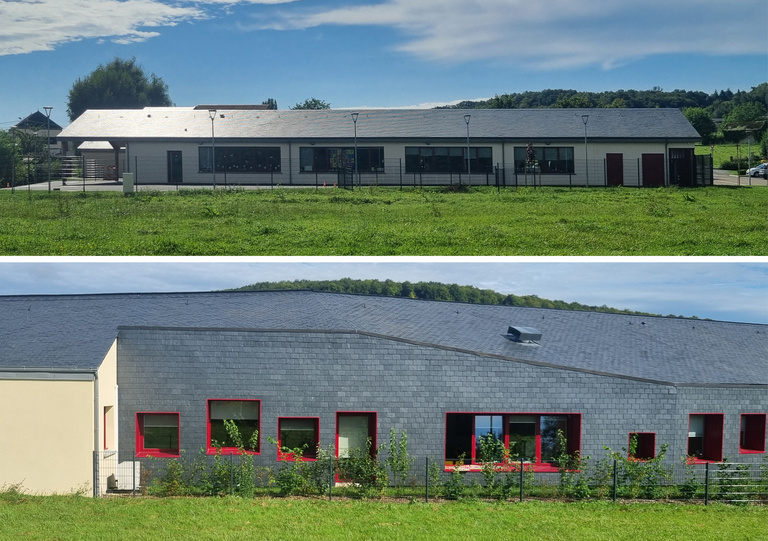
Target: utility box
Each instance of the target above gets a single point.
(127, 183)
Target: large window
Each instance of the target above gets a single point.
(157, 434)
(324, 159)
(353, 431)
(705, 437)
(532, 437)
(240, 159)
(448, 159)
(551, 160)
(298, 433)
(245, 416)
(752, 433)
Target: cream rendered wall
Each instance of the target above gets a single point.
(46, 435)
(107, 384)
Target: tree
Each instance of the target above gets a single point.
(121, 84)
(702, 121)
(312, 103)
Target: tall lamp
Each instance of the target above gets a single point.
(48, 109)
(212, 114)
(469, 170)
(354, 121)
(585, 118)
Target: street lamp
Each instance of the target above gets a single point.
(48, 109)
(585, 118)
(354, 121)
(469, 170)
(212, 114)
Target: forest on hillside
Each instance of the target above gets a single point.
(434, 291)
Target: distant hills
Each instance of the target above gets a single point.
(434, 291)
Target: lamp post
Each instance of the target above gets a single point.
(48, 109)
(585, 118)
(354, 121)
(212, 114)
(469, 170)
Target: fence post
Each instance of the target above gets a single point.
(522, 478)
(426, 472)
(706, 483)
(83, 164)
(231, 474)
(400, 170)
(330, 477)
(615, 478)
(133, 465)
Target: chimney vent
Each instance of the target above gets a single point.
(523, 334)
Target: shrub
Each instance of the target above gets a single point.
(362, 468)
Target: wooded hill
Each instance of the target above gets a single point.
(718, 104)
(434, 291)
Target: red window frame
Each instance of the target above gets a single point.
(228, 450)
(646, 446)
(574, 439)
(141, 450)
(310, 455)
(372, 426)
(712, 439)
(752, 433)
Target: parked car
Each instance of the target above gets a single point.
(758, 171)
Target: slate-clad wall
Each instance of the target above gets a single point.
(410, 387)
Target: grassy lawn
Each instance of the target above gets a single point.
(714, 220)
(74, 517)
(724, 152)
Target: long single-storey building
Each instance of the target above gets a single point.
(88, 382)
(231, 145)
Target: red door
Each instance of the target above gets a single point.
(614, 165)
(653, 169)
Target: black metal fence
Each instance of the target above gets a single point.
(426, 478)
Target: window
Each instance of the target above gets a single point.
(532, 437)
(448, 159)
(324, 159)
(705, 436)
(245, 415)
(645, 445)
(353, 430)
(752, 433)
(109, 427)
(551, 160)
(157, 434)
(240, 159)
(298, 433)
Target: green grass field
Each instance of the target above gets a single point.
(221, 519)
(723, 152)
(714, 220)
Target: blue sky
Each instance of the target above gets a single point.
(378, 53)
(728, 289)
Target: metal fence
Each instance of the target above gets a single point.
(607, 479)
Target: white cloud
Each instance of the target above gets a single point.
(42, 25)
(552, 34)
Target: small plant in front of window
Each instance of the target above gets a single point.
(362, 468)
(399, 461)
(454, 487)
(640, 478)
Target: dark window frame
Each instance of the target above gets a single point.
(551, 160)
(328, 159)
(240, 159)
(448, 159)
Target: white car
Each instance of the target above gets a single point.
(758, 171)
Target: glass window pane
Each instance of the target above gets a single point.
(550, 425)
(353, 433)
(490, 432)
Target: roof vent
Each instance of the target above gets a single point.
(523, 334)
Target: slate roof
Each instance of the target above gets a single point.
(177, 123)
(36, 121)
(75, 332)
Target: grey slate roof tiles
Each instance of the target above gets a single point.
(69, 332)
(178, 123)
